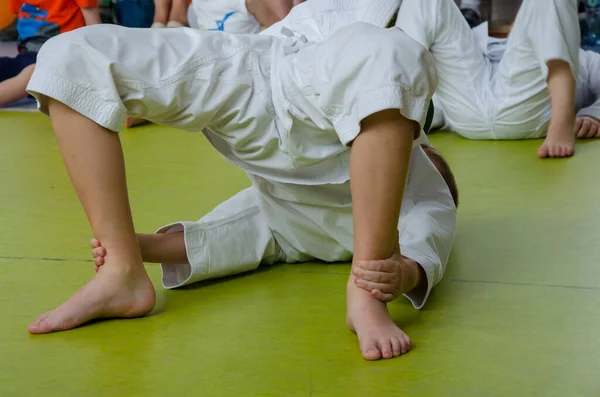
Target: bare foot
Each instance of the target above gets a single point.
(560, 142)
(131, 122)
(108, 295)
(378, 335)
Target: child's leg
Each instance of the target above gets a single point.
(198, 78)
(544, 31)
(462, 69)
(369, 97)
(13, 89)
(122, 288)
(162, 8)
(377, 189)
(178, 13)
(233, 238)
(110, 81)
(561, 87)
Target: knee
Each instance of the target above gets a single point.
(68, 48)
(56, 52)
(391, 45)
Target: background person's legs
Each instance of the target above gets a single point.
(178, 14)
(462, 69)
(162, 8)
(544, 31)
(14, 76)
(14, 89)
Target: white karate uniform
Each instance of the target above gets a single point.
(587, 91)
(508, 100)
(284, 109)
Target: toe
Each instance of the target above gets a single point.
(396, 347)
(94, 243)
(407, 342)
(386, 348)
(370, 351)
(40, 326)
(543, 151)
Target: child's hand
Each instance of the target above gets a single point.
(98, 252)
(587, 127)
(386, 279)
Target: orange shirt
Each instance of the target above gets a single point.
(64, 13)
(40, 20)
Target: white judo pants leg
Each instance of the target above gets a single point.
(461, 67)
(478, 101)
(233, 238)
(183, 78)
(544, 30)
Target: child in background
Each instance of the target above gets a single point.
(38, 21)
(587, 90)
(529, 94)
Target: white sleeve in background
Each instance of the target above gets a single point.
(428, 224)
(587, 96)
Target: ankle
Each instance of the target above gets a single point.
(416, 276)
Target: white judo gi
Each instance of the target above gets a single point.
(284, 109)
(506, 100)
(587, 91)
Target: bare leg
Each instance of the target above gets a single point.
(178, 12)
(560, 141)
(155, 248)
(161, 11)
(268, 12)
(122, 287)
(12, 90)
(377, 184)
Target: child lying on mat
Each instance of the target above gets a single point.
(236, 237)
(587, 90)
(38, 21)
(530, 93)
(328, 135)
